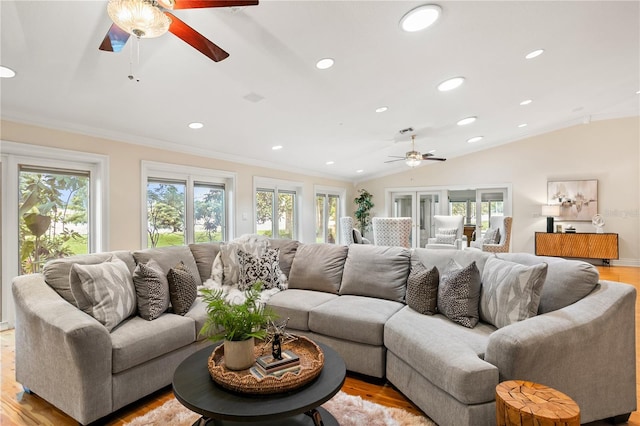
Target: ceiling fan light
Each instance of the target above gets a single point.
(413, 158)
(138, 17)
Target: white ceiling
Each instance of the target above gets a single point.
(590, 70)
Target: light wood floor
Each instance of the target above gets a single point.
(22, 409)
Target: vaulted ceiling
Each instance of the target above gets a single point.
(269, 91)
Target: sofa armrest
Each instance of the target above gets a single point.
(62, 354)
(586, 350)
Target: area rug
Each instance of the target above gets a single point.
(348, 410)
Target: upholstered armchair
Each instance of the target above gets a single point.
(488, 241)
(449, 233)
(349, 234)
(392, 231)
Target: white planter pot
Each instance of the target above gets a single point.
(238, 355)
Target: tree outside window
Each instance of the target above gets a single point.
(275, 218)
(165, 213)
(53, 216)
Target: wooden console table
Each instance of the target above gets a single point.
(585, 245)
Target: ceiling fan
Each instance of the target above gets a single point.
(151, 18)
(413, 158)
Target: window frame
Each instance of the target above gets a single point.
(328, 191)
(190, 176)
(279, 185)
(15, 154)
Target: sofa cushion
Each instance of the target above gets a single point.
(288, 250)
(376, 271)
(459, 293)
(204, 255)
(353, 318)
(182, 288)
(295, 305)
(441, 258)
(105, 291)
(422, 289)
(152, 290)
(318, 267)
(198, 313)
(137, 341)
(510, 291)
(446, 354)
(56, 271)
(567, 281)
(168, 257)
(265, 269)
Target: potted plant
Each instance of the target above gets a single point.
(364, 203)
(237, 324)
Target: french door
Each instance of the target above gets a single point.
(420, 207)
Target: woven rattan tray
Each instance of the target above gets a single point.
(311, 361)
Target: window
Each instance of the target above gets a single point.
(327, 208)
(185, 204)
(69, 188)
(53, 215)
(276, 208)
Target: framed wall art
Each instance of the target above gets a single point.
(578, 199)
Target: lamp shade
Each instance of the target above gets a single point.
(551, 211)
(138, 17)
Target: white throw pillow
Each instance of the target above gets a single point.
(491, 236)
(445, 239)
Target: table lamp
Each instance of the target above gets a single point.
(550, 212)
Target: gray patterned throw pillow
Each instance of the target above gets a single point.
(510, 291)
(182, 289)
(104, 290)
(152, 289)
(230, 261)
(491, 236)
(459, 293)
(422, 289)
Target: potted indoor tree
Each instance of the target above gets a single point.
(237, 324)
(362, 213)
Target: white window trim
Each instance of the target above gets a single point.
(342, 208)
(14, 154)
(280, 185)
(155, 170)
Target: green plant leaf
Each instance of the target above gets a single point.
(37, 223)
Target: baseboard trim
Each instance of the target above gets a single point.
(4, 326)
(626, 262)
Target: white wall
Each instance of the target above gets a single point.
(607, 150)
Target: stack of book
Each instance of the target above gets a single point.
(267, 365)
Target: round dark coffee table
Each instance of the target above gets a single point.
(194, 388)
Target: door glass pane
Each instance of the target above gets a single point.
(165, 213)
(264, 212)
(332, 220)
(320, 214)
(53, 215)
(429, 207)
(286, 217)
(209, 213)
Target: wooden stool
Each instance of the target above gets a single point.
(519, 402)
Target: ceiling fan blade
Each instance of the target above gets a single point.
(435, 158)
(195, 4)
(195, 39)
(393, 161)
(115, 39)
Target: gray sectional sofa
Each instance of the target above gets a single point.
(353, 298)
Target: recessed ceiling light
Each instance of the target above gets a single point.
(196, 125)
(466, 121)
(522, 125)
(638, 92)
(526, 102)
(6, 72)
(475, 139)
(534, 54)
(359, 171)
(329, 163)
(450, 84)
(277, 147)
(325, 63)
(382, 109)
(420, 18)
